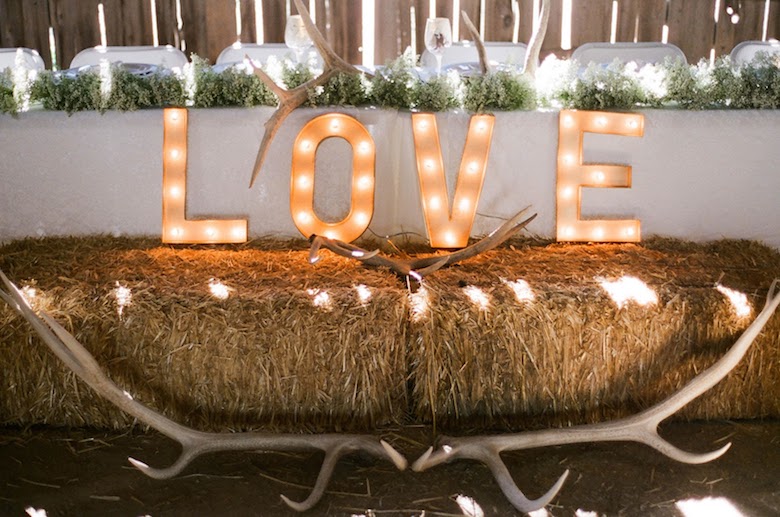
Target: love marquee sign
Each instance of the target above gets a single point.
(448, 223)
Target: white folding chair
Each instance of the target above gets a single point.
(27, 57)
(744, 52)
(236, 53)
(640, 53)
(166, 57)
(464, 52)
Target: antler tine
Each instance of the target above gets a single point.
(640, 428)
(331, 59)
(537, 38)
(483, 61)
(193, 443)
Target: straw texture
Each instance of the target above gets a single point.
(296, 347)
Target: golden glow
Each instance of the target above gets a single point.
(739, 301)
(573, 175)
(320, 299)
(445, 229)
(419, 304)
(469, 506)
(629, 289)
(363, 173)
(176, 228)
(123, 297)
(363, 293)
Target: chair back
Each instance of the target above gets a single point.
(744, 52)
(166, 57)
(27, 57)
(463, 52)
(236, 53)
(640, 53)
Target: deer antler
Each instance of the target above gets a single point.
(289, 100)
(641, 428)
(537, 38)
(419, 267)
(193, 442)
(483, 61)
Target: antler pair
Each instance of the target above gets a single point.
(193, 443)
(641, 428)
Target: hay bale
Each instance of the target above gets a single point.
(267, 357)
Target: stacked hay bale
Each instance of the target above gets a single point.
(337, 346)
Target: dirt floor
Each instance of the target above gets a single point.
(85, 473)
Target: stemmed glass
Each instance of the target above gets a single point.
(296, 37)
(438, 36)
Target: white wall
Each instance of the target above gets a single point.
(696, 175)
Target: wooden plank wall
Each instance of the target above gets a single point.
(208, 26)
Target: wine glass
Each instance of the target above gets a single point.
(296, 37)
(438, 36)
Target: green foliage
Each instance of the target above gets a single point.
(7, 101)
(341, 90)
(606, 88)
(294, 76)
(439, 93)
(232, 87)
(65, 92)
(500, 91)
(393, 86)
(759, 84)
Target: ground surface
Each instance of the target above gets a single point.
(85, 473)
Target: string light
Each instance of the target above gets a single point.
(477, 296)
(320, 299)
(521, 289)
(219, 290)
(363, 293)
(123, 297)
(629, 289)
(419, 304)
(738, 300)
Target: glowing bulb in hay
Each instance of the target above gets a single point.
(363, 293)
(419, 304)
(739, 301)
(447, 230)
(573, 175)
(363, 172)
(123, 297)
(719, 506)
(219, 290)
(320, 299)
(629, 289)
(521, 289)
(176, 228)
(477, 296)
(469, 506)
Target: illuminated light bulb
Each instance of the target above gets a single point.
(320, 299)
(219, 290)
(304, 217)
(568, 121)
(364, 182)
(633, 124)
(335, 125)
(238, 232)
(434, 203)
(629, 289)
(174, 116)
(364, 147)
(29, 293)
(419, 303)
(305, 145)
(473, 167)
(422, 125)
(568, 159)
(567, 192)
(177, 232)
(123, 297)
(449, 238)
(429, 164)
(739, 301)
(601, 121)
(598, 233)
(598, 176)
(481, 126)
(568, 232)
(304, 181)
(464, 204)
(175, 192)
(477, 296)
(629, 231)
(521, 289)
(211, 232)
(330, 234)
(175, 153)
(364, 293)
(361, 218)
